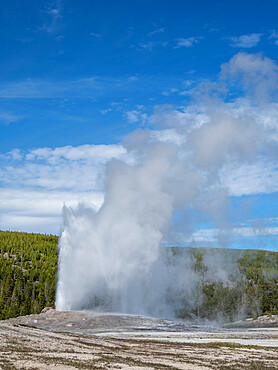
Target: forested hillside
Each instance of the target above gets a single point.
(228, 283)
(28, 266)
(232, 283)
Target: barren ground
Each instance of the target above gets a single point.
(76, 340)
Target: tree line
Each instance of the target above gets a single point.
(28, 267)
(29, 262)
(250, 288)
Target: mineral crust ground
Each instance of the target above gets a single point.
(90, 340)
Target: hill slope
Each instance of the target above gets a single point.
(28, 266)
(231, 283)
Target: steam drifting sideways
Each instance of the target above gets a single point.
(113, 259)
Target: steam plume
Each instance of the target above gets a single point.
(114, 258)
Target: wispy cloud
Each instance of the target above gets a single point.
(135, 116)
(188, 42)
(149, 45)
(274, 36)
(133, 78)
(42, 88)
(53, 12)
(74, 168)
(261, 177)
(169, 92)
(104, 111)
(156, 31)
(211, 235)
(96, 35)
(92, 87)
(245, 41)
(8, 117)
(60, 38)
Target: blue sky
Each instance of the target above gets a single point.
(78, 76)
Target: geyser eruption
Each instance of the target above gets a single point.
(114, 258)
(108, 255)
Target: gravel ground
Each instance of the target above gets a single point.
(76, 340)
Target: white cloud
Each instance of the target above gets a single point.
(249, 63)
(40, 210)
(168, 135)
(257, 74)
(211, 235)
(96, 153)
(246, 235)
(246, 41)
(14, 154)
(183, 118)
(229, 122)
(73, 168)
(35, 184)
(247, 179)
(188, 42)
(223, 130)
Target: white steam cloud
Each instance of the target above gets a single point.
(113, 258)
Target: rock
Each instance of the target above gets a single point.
(47, 309)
